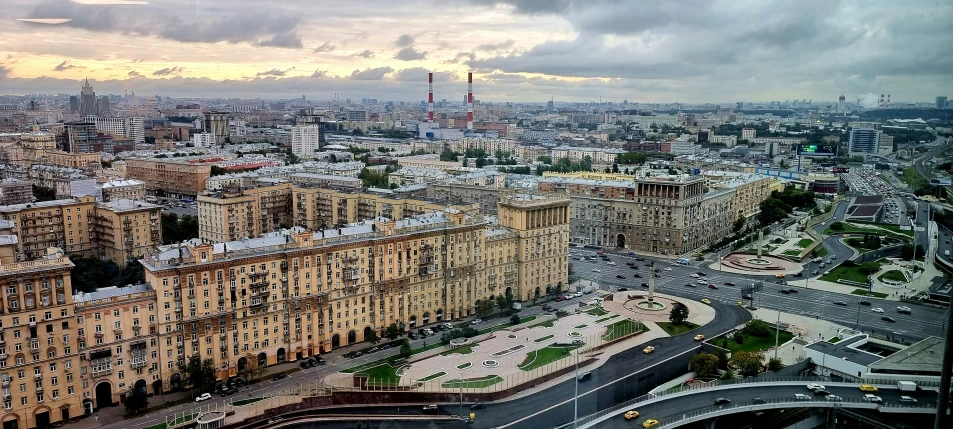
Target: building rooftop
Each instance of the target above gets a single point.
(846, 349)
(128, 205)
(924, 357)
(122, 182)
(40, 204)
(106, 294)
(6, 240)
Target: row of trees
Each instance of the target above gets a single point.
(92, 273)
(176, 229)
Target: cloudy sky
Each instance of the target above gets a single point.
(519, 50)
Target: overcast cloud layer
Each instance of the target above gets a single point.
(519, 50)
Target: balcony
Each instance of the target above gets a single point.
(38, 376)
(103, 373)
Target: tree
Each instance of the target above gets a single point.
(251, 369)
(727, 375)
(198, 373)
(703, 363)
(869, 268)
(501, 303)
(43, 194)
(775, 364)
(217, 171)
(392, 332)
(137, 400)
(405, 350)
(678, 314)
(515, 319)
(484, 307)
(837, 226)
(749, 363)
(918, 252)
(739, 224)
(370, 336)
(509, 296)
(906, 252)
(757, 328)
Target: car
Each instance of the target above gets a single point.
(702, 282)
(690, 285)
(821, 392)
(650, 423)
(320, 361)
(560, 298)
(203, 397)
(699, 337)
(908, 399)
(834, 398)
(842, 303)
(622, 289)
(693, 275)
(570, 296)
(701, 273)
(645, 285)
(746, 296)
(877, 310)
(279, 377)
(873, 398)
(706, 301)
(478, 406)
(815, 386)
(637, 276)
(274, 420)
(779, 275)
(587, 291)
(801, 274)
(648, 350)
(758, 401)
(305, 364)
(814, 272)
(864, 302)
(619, 276)
(785, 291)
(578, 294)
(792, 290)
(904, 310)
(413, 336)
(722, 401)
(729, 284)
(668, 269)
(867, 388)
(229, 391)
(631, 414)
(712, 286)
(801, 397)
(888, 319)
(596, 270)
(430, 409)
(640, 259)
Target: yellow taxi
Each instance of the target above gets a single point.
(699, 337)
(650, 423)
(741, 303)
(648, 350)
(867, 388)
(779, 275)
(631, 414)
(706, 301)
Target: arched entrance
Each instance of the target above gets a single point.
(426, 319)
(368, 331)
(175, 382)
(242, 363)
(64, 413)
(413, 322)
(351, 337)
(281, 355)
(157, 387)
(104, 394)
(11, 421)
(509, 294)
(536, 293)
(41, 417)
(439, 314)
(140, 386)
(335, 341)
(620, 240)
(262, 359)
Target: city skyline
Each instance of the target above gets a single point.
(517, 50)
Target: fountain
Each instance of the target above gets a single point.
(759, 260)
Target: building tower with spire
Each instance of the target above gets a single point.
(87, 100)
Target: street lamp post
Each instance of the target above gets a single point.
(575, 398)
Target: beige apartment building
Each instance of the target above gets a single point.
(124, 189)
(749, 190)
(40, 363)
(169, 177)
(116, 331)
(121, 230)
(297, 293)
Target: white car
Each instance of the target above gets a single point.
(815, 386)
(476, 322)
(702, 282)
(578, 294)
(872, 398)
(668, 269)
(610, 263)
(203, 397)
(570, 296)
(596, 270)
(878, 310)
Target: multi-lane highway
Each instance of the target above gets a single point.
(925, 321)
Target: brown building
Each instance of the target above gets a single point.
(40, 363)
(126, 230)
(168, 177)
(174, 132)
(14, 191)
(298, 293)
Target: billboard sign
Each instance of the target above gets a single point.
(940, 182)
(817, 150)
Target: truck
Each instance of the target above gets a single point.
(907, 386)
(683, 261)
(946, 253)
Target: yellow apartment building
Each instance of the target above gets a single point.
(126, 230)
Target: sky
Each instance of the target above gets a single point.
(689, 51)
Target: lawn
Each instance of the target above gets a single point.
(756, 343)
(597, 312)
(539, 340)
(805, 242)
(822, 251)
(872, 228)
(433, 376)
(190, 417)
(676, 328)
(382, 373)
(580, 326)
(893, 275)
(506, 325)
(541, 357)
(472, 383)
(845, 273)
(546, 324)
(863, 292)
(464, 350)
(794, 253)
(607, 318)
(913, 179)
(620, 329)
(390, 359)
(833, 340)
(464, 365)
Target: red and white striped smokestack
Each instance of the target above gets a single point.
(430, 99)
(470, 101)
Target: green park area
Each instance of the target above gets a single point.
(544, 356)
(864, 292)
(805, 242)
(674, 329)
(506, 325)
(822, 251)
(463, 350)
(756, 335)
(596, 311)
(893, 275)
(794, 253)
(913, 179)
(621, 329)
(868, 228)
(852, 272)
(833, 340)
(472, 383)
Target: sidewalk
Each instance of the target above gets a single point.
(806, 328)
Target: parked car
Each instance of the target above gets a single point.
(279, 377)
(619, 276)
(729, 284)
(821, 392)
(815, 386)
(305, 364)
(785, 291)
(746, 296)
(690, 285)
(622, 289)
(792, 290)
(841, 303)
(712, 286)
(888, 319)
(476, 321)
(203, 397)
(560, 298)
(834, 398)
(645, 285)
(412, 336)
(229, 391)
(478, 406)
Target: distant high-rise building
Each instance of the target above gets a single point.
(740, 105)
(73, 104)
(941, 102)
(305, 139)
(103, 108)
(132, 128)
(841, 108)
(87, 100)
(863, 141)
(549, 106)
(216, 123)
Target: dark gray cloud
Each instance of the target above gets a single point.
(65, 65)
(410, 54)
(325, 47)
(168, 71)
(283, 40)
(273, 73)
(367, 53)
(376, 73)
(404, 41)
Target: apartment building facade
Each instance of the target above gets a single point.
(171, 178)
(298, 293)
(119, 189)
(126, 230)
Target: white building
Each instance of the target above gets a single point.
(305, 139)
(682, 148)
(748, 134)
(728, 141)
(203, 139)
(124, 127)
(236, 128)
